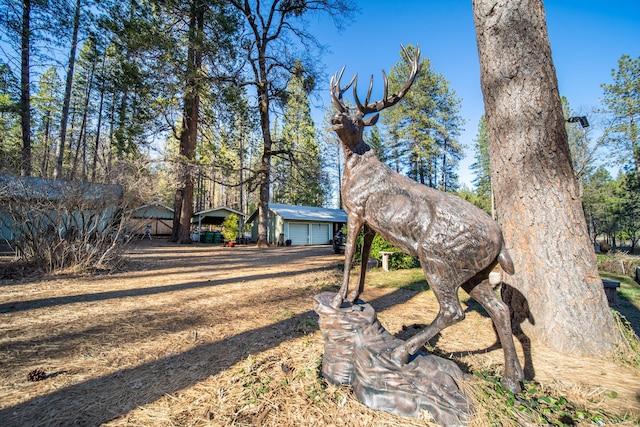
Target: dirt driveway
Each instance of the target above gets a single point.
(204, 335)
(178, 315)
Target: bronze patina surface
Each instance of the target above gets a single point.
(458, 244)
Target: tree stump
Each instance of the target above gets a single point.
(355, 343)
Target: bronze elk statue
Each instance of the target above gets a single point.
(458, 244)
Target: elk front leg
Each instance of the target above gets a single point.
(353, 228)
(369, 234)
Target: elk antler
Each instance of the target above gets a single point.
(387, 101)
(337, 92)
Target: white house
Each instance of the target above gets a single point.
(299, 225)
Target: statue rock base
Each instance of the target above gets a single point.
(355, 344)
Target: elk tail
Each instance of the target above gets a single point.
(505, 261)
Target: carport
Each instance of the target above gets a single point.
(213, 217)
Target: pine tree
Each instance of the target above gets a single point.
(622, 97)
(10, 139)
(536, 195)
(47, 103)
(298, 168)
(427, 126)
(482, 167)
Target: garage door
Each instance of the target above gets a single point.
(299, 233)
(320, 234)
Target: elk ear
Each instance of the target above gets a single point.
(371, 120)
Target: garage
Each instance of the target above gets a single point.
(300, 225)
(309, 233)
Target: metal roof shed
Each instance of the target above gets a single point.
(156, 215)
(214, 216)
(302, 225)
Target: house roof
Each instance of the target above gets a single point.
(304, 213)
(214, 216)
(56, 189)
(153, 210)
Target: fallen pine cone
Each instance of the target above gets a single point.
(37, 375)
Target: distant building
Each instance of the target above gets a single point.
(154, 215)
(299, 225)
(56, 205)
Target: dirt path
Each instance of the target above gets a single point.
(205, 335)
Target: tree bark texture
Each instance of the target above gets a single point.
(265, 170)
(189, 132)
(536, 195)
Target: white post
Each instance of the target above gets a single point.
(385, 260)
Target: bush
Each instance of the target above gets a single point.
(230, 228)
(619, 263)
(54, 225)
(397, 261)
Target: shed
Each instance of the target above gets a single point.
(301, 225)
(155, 215)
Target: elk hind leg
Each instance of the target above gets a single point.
(483, 293)
(450, 313)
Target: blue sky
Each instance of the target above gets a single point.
(587, 39)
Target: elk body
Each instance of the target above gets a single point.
(458, 244)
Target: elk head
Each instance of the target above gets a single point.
(350, 126)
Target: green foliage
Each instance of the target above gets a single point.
(482, 166)
(622, 97)
(230, 228)
(533, 406)
(298, 168)
(476, 199)
(425, 126)
(10, 129)
(398, 260)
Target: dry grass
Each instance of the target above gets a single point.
(206, 336)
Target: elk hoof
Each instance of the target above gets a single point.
(336, 302)
(512, 385)
(353, 296)
(398, 356)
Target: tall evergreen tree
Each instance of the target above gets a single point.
(482, 167)
(10, 139)
(536, 195)
(427, 124)
(67, 94)
(47, 103)
(298, 169)
(622, 97)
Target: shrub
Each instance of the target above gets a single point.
(230, 228)
(53, 225)
(619, 263)
(397, 261)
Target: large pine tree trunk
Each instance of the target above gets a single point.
(265, 163)
(189, 132)
(535, 190)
